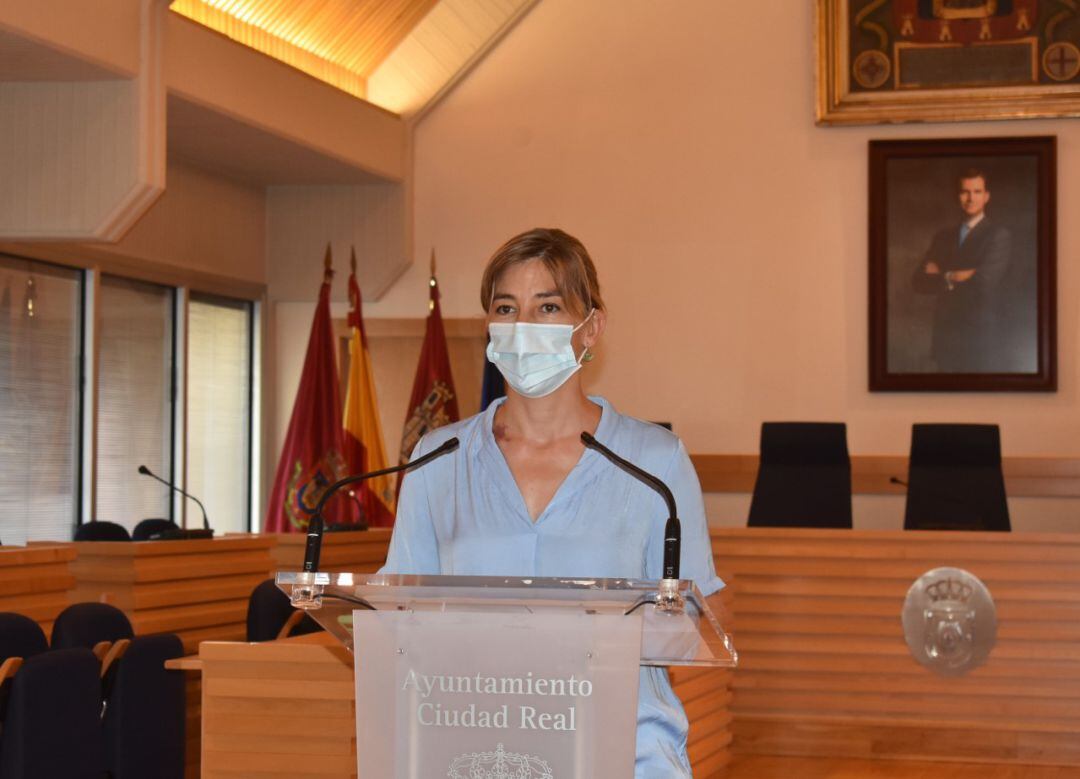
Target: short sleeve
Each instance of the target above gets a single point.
(414, 548)
(695, 560)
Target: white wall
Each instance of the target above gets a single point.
(203, 222)
(677, 141)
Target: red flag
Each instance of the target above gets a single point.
(364, 450)
(312, 457)
(433, 402)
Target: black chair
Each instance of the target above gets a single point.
(145, 712)
(101, 531)
(955, 480)
(804, 476)
(52, 726)
(87, 624)
(151, 527)
(20, 636)
(268, 612)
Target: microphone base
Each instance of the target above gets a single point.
(669, 599)
(182, 534)
(306, 594)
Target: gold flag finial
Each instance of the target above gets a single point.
(352, 260)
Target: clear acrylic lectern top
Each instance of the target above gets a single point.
(687, 634)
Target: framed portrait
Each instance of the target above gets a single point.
(946, 60)
(962, 264)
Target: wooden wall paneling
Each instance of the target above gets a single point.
(824, 669)
(193, 725)
(35, 580)
(278, 709)
(361, 551)
(1045, 477)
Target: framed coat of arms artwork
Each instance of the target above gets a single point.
(884, 61)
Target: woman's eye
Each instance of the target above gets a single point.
(503, 310)
(549, 308)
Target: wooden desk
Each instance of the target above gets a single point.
(35, 579)
(197, 589)
(354, 551)
(824, 669)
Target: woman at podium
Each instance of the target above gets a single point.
(522, 496)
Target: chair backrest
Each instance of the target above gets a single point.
(20, 636)
(150, 527)
(955, 480)
(101, 531)
(86, 624)
(804, 476)
(145, 712)
(52, 727)
(268, 611)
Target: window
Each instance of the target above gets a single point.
(135, 391)
(40, 345)
(219, 365)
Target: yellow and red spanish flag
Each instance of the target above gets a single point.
(312, 458)
(433, 402)
(364, 450)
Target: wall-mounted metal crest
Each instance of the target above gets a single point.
(950, 623)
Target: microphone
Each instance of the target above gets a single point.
(179, 533)
(669, 585)
(315, 526)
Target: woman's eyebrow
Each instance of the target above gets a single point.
(552, 293)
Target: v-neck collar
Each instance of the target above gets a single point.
(494, 460)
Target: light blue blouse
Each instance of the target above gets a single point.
(463, 514)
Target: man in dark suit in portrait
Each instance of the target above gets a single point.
(965, 267)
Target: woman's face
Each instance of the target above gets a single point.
(526, 292)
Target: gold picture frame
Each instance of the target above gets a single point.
(890, 61)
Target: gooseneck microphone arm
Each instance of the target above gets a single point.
(147, 472)
(315, 526)
(673, 528)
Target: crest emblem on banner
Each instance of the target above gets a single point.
(306, 487)
(431, 413)
(499, 764)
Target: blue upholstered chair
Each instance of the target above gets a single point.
(151, 527)
(145, 712)
(87, 624)
(52, 725)
(268, 612)
(804, 476)
(101, 531)
(955, 480)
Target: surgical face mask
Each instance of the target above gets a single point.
(534, 359)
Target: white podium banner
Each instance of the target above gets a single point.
(479, 695)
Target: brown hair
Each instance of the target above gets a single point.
(562, 254)
(973, 173)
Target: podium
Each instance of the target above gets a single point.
(493, 676)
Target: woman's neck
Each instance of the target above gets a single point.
(563, 413)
